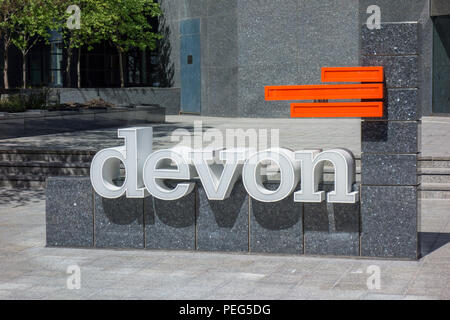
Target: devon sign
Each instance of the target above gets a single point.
(218, 170)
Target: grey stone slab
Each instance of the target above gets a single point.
(399, 71)
(170, 225)
(389, 169)
(276, 227)
(389, 221)
(268, 40)
(251, 83)
(222, 91)
(267, 7)
(327, 21)
(389, 136)
(116, 96)
(390, 39)
(332, 243)
(215, 7)
(69, 95)
(400, 105)
(118, 223)
(221, 42)
(223, 225)
(69, 212)
(191, 8)
(331, 228)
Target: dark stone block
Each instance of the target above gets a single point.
(69, 212)
(118, 223)
(276, 227)
(170, 225)
(399, 71)
(390, 39)
(389, 136)
(389, 169)
(332, 243)
(331, 228)
(401, 105)
(223, 225)
(389, 221)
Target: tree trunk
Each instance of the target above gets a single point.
(122, 80)
(24, 70)
(79, 67)
(5, 66)
(68, 66)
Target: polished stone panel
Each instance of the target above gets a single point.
(389, 169)
(223, 225)
(216, 8)
(332, 243)
(399, 71)
(389, 221)
(69, 212)
(170, 225)
(400, 105)
(118, 222)
(222, 90)
(251, 83)
(390, 39)
(270, 40)
(331, 228)
(389, 136)
(276, 227)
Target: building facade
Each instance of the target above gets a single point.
(225, 52)
(222, 53)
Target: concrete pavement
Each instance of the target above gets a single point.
(294, 133)
(31, 271)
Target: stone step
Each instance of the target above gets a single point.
(433, 194)
(47, 156)
(27, 169)
(435, 187)
(26, 182)
(428, 178)
(434, 163)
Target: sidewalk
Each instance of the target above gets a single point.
(31, 271)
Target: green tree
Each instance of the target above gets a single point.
(8, 8)
(127, 26)
(32, 23)
(91, 31)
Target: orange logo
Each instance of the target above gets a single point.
(369, 87)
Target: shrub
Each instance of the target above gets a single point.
(13, 103)
(22, 102)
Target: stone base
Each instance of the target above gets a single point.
(77, 217)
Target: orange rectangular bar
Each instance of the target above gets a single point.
(353, 74)
(337, 110)
(323, 92)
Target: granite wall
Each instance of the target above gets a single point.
(248, 44)
(78, 217)
(390, 146)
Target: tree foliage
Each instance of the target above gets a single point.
(124, 23)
